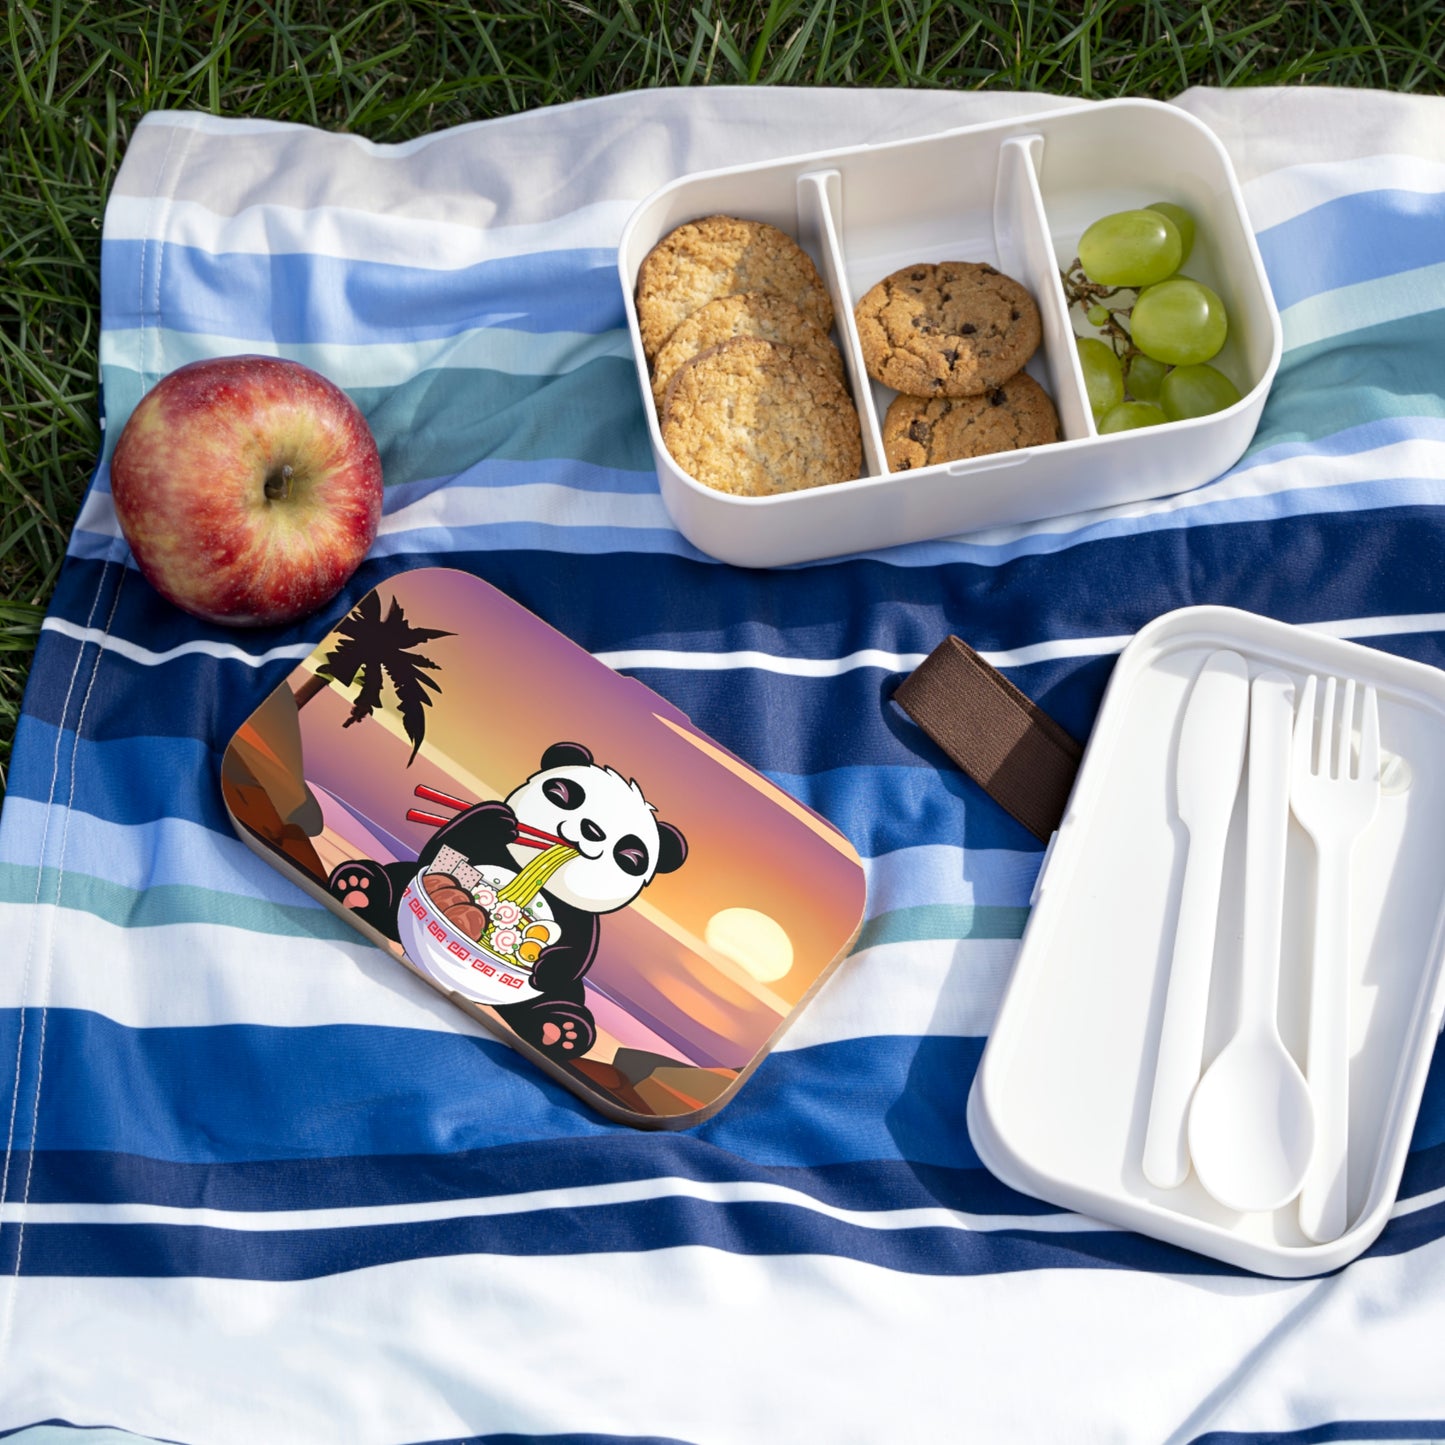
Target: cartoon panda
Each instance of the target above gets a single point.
(619, 843)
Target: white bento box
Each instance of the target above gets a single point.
(1016, 195)
(1061, 1102)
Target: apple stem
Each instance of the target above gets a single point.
(278, 484)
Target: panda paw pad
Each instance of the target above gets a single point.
(563, 1036)
(351, 889)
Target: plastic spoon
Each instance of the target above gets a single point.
(1251, 1122)
(1206, 772)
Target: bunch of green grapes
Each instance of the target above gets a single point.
(1154, 366)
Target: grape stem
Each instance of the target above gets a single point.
(1085, 294)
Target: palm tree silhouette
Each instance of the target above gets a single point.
(373, 646)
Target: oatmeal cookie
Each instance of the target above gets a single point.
(918, 432)
(718, 256)
(749, 313)
(955, 328)
(752, 418)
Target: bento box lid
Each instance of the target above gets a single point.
(550, 844)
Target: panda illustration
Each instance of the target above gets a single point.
(605, 844)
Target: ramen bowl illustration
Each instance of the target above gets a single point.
(483, 948)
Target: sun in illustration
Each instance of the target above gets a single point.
(755, 942)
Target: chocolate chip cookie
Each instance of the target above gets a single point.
(918, 432)
(752, 418)
(719, 256)
(750, 313)
(955, 328)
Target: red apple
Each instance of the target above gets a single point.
(249, 489)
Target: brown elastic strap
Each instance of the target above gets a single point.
(1008, 745)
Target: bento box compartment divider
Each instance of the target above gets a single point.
(820, 224)
(1025, 251)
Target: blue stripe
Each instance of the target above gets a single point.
(1294, 568)
(144, 1251)
(1412, 1432)
(95, 1177)
(299, 297)
(54, 1431)
(755, 1228)
(1353, 238)
(565, 537)
(346, 1090)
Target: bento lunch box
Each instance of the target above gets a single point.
(1016, 195)
(1060, 1106)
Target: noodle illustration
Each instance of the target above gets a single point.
(533, 878)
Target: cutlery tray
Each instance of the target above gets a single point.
(1061, 1101)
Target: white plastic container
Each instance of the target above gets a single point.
(1016, 195)
(1060, 1103)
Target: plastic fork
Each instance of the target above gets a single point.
(1334, 796)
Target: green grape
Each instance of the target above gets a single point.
(1196, 391)
(1103, 376)
(1131, 414)
(1179, 322)
(1098, 315)
(1144, 377)
(1183, 222)
(1130, 248)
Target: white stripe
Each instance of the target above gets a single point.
(594, 1196)
(576, 1197)
(1291, 191)
(202, 647)
(1364, 304)
(548, 503)
(923, 988)
(739, 1351)
(1417, 1202)
(193, 975)
(465, 239)
(355, 366)
(643, 659)
(665, 659)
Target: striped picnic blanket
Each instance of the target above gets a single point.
(260, 1184)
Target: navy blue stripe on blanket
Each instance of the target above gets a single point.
(508, 1438)
(204, 696)
(1413, 1432)
(353, 1092)
(752, 1228)
(1298, 569)
(303, 297)
(200, 696)
(566, 1439)
(58, 1176)
(333, 1090)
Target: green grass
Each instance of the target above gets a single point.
(75, 77)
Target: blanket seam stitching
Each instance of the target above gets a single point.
(165, 187)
